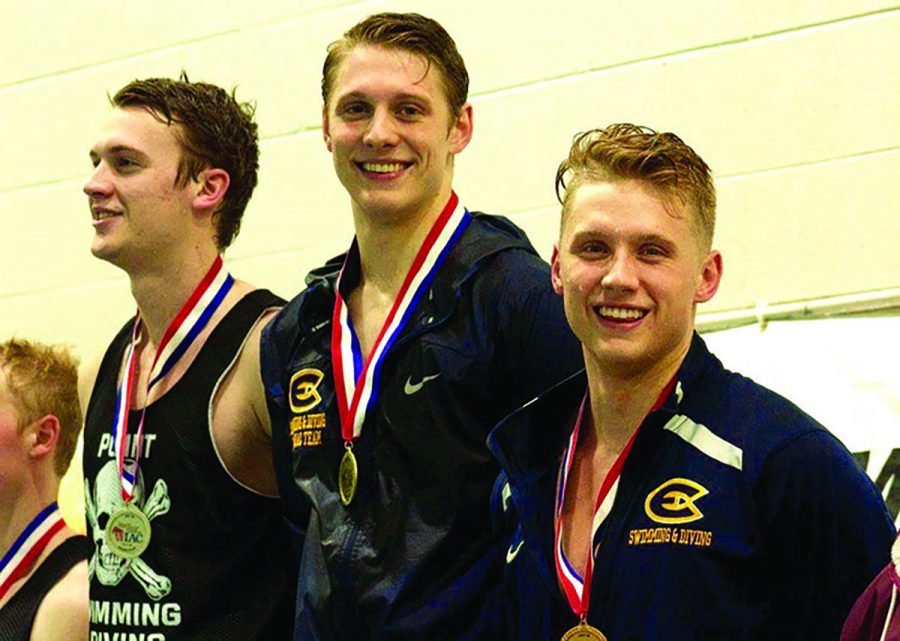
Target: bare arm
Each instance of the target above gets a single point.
(242, 431)
(63, 614)
(256, 389)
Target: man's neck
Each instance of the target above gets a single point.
(389, 244)
(14, 518)
(619, 401)
(160, 293)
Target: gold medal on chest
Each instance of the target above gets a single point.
(584, 632)
(347, 476)
(128, 532)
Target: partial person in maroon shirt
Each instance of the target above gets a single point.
(876, 614)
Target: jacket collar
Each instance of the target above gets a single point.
(529, 441)
(483, 238)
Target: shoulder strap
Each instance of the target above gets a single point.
(227, 337)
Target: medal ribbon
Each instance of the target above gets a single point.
(576, 588)
(179, 335)
(29, 545)
(357, 380)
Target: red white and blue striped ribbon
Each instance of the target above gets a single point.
(357, 379)
(28, 546)
(575, 587)
(179, 335)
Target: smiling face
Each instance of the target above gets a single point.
(630, 273)
(139, 213)
(389, 128)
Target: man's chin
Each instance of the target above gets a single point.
(621, 358)
(107, 253)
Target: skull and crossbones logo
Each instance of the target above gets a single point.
(105, 501)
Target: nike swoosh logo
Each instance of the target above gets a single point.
(411, 388)
(513, 552)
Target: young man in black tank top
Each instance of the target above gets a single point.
(43, 567)
(179, 487)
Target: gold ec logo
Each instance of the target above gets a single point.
(673, 502)
(303, 395)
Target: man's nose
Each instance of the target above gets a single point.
(99, 184)
(382, 130)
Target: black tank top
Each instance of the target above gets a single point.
(17, 616)
(219, 564)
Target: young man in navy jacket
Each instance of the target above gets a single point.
(656, 495)
(384, 377)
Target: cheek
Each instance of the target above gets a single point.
(579, 281)
(147, 193)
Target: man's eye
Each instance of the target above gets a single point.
(410, 111)
(653, 251)
(354, 109)
(593, 248)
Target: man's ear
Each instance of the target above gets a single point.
(710, 277)
(42, 436)
(555, 277)
(461, 130)
(212, 185)
(325, 135)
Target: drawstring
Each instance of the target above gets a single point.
(890, 614)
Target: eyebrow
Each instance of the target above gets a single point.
(361, 95)
(639, 238)
(654, 238)
(116, 149)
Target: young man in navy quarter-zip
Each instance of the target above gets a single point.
(179, 486)
(386, 374)
(656, 495)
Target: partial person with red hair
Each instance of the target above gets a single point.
(43, 563)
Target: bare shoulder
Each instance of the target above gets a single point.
(241, 428)
(63, 614)
(244, 382)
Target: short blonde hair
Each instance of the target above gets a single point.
(662, 160)
(43, 379)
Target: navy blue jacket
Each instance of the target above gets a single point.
(411, 556)
(775, 533)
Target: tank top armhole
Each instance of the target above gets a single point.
(212, 401)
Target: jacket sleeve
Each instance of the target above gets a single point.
(277, 343)
(535, 347)
(827, 531)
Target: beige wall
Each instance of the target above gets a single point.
(795, 105)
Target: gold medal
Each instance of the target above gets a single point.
(128, 532)
(584, 632)
(347, 475)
